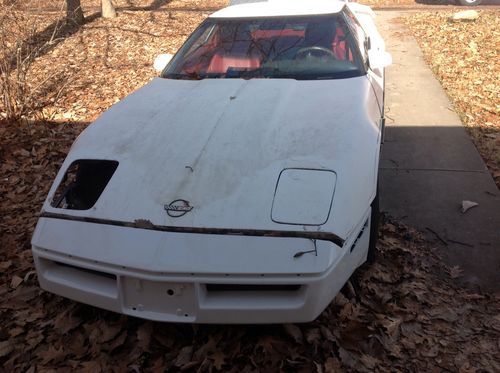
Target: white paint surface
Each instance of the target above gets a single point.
(222, 144)
(274, 8)
(303, 196)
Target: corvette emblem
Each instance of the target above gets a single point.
(178, 208)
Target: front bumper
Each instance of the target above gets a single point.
(194, 278)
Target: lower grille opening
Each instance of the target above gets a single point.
(237, 287)
(86, 270)
(77, 282)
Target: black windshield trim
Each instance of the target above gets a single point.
(338, 76)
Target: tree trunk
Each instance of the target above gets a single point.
(107, 9)
(74, 12)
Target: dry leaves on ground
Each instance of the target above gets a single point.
(91, 5)
(30, 156)
(406, 311)
(464, 56)
(85, 70)
(108, 59)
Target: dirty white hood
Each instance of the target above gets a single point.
(221, 145)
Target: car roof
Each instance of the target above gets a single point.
(274, 8)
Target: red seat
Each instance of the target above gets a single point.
(339, 47)
(220, 63)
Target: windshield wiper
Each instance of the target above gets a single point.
(186, 76)
(263, 72)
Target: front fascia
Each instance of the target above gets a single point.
(136, 271)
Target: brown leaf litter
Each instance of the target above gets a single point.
(405, 312)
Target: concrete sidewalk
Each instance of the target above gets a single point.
(429, 164)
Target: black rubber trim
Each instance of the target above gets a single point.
(145, 224)
(250, 287)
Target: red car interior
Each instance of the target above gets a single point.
(221, 62)
(249, 49)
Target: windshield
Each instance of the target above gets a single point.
(309, 47)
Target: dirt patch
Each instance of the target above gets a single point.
(464, 57)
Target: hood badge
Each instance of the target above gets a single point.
(178, 208)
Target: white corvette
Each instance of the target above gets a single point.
(240, 186)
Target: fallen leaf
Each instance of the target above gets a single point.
(313, 336)
(118, 341)
(332, 365)
(5, 265)
(66, 322)
(219, 359)
(294, 331)
(392, 324)
(15, 332)
(347, 358)
(184, 356)
(16, 281)
(6, 348)
(327, 334)
(90, 367)
(467, 205)
(144, 335)
(455, 272)
(52, 354)
(369, 361)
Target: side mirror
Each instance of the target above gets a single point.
(379, 59)
(161, 61)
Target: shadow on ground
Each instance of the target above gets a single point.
(425, 174)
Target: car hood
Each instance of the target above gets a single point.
(221, 144)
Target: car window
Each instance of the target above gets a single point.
(201, 40)
(358, 33)
(312, 47)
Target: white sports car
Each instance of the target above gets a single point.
(240, 186)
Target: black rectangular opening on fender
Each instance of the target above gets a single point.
(236, 287)
(83, 184)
